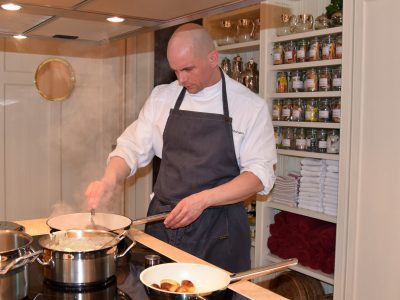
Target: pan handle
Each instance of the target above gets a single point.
(150, 219)
(19, 261)
(257, 272)
(126, 250)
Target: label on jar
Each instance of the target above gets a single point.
(333, 144)
(326, 50)
(312, 54)
(310, 116)
(324, 114)
(286, 142)
(322, 144)
(278, 138)
(323, 82)
(277, 57)
(296, 114)
(337, 82)
(300, 53)
(338, 51)
(336, 113)
(297, 83)
(288, 55)
(275, 114)
(310, 84)
(285, 112)
(301, 143)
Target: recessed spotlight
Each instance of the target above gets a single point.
(19, 36)
(10, 6)
(115, 19)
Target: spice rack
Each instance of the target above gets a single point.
(289, 160)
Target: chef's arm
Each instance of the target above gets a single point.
(102, 190)
(191, 207)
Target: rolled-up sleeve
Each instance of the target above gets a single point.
(258, 150)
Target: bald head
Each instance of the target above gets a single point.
(192, 55)
(194, 37)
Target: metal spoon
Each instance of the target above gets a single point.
(93, 225)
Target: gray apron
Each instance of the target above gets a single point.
(198, 154)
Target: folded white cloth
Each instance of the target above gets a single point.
(329, 200)
(332, 162)
(313, 185)
(310, 202)
(313, 168)
(310, 189)
(312, 162)
(332, 169)
(312, 173)
(309, 198)
(311, 180)
(332, 175)
(312, 194)
(313, 208)
(330, 212)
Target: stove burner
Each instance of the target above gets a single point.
(79, 287)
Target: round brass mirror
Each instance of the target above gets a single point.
(55, 79)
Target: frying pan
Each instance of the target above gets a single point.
(104, 221)
(208, 280)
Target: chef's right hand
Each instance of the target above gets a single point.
(98, 192)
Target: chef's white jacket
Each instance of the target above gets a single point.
(253, 133)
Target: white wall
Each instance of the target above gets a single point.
(374, 211)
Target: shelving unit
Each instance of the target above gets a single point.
(261, 51)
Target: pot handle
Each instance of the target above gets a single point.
(126, 250)
(150, 219)
(266, 270)
(31, 256)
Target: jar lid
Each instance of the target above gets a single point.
(5, 225)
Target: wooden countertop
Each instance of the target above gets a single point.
(245, 288)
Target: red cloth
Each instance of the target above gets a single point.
(310, 240)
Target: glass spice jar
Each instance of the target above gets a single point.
(322, 140)
(289, 79)
(297, 81)
(287, 138)
(337, 79)
(311, 140)
(290, 52)
(286, 110)
(311, 113)
(324, 80)
(298, 109)
(314, 50)
(302, 50)
(311, 80)
(300, 139)
(324, 110)
(336, 111)
(281, 83)
(328, 48)
(278, 54)
(276, 110)
(333, 141)
(278, 137)
(338, 46)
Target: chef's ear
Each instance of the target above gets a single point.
(213, 58)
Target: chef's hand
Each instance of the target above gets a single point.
(98, 192)
(186, 211)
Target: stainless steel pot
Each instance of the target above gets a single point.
(87, 265)
(209, 281)
(15, 256)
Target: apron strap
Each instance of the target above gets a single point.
(224, 97)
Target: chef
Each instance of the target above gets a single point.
(216, 141)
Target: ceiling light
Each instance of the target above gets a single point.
(19, 36)
(10, 6)
(115, 19)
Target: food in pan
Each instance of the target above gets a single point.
(170, 285)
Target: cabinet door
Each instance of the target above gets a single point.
(31, 152)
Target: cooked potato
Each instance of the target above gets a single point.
(169, 285)
(188, 285)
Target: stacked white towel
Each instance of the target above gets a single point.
(331, 184)
(313, 173)
(286, 189)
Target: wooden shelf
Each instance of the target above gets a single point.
(302, 211)
(306, 124)
(308, 34)
(330, 94)
(307, 64)
(308, 154)
(328, 278)
(246, 46)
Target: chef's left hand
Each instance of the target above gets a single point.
(186, 211)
